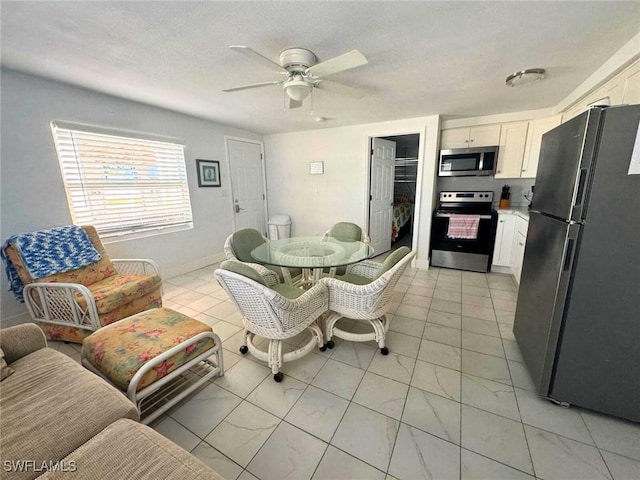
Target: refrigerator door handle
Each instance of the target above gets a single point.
(582, 178)
(569, 254)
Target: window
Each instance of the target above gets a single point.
(123, 185)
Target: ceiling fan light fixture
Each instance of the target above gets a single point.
(524, 77)
(297, 89)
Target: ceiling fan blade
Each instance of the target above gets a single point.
(291, 103)
(253, 85)
(341, 89)
(337, 64)
(253, 55)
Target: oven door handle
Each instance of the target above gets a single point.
(448, 215)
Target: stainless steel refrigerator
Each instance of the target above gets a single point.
(577, 319)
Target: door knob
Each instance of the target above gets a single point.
(238, 208)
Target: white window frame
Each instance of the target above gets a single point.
(127, 185)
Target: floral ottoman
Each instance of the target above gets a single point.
(153, 349)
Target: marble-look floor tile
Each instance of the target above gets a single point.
(506, 331)
(177, 433)
(403, 344)
(483, 327)
(495, 437)
(338, 378)
(436, 379)
(442, 334)
(512, 350)
(224, 329)
(446, 306)
(382, 394)
(482, 291)
(477, 467)
(441, 293)
(217, 461)
(478, 300)
(394, 366)
(206, 409)
(289, 453)
(277, 398)
(505, 317)
(305, 368)
(504, 295)
(412, 311)
(491, 396)
(614, 435)
(337, 464)
(245, 475)
(558, 458)
(440, 354)
(433, 414)
(243, 377)
(420, 291)
(407, 325)
(367, 435)
(504, 304)
(318, 412)
(482, 344)
(520, 376)
(544, 414)
(356, 354)
(475, 311)
(622, 468)
(420, 455)
(474, 279)
(486, 366)
(416, 300)
(451, 320)
(243, 433)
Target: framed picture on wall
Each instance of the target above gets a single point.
(208, 173)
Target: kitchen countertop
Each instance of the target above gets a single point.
(522, 212)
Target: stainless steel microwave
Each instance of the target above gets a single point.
(461, 162)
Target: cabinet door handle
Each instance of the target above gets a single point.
(471, 140)
(498, 171)
(524, 169)
(521, 244)
(501, 221)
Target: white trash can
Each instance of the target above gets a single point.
(279, 227)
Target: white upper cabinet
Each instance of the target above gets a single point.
(466, 137)
(513, 138)
(537, 128)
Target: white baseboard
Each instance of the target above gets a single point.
(499, 269)
(422, 263)
(174, 271)
(15, 320)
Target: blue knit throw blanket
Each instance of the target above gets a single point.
(48, 252)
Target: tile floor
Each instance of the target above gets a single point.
(452, 400)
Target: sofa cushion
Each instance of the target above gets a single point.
(50, 406)
(128, 449)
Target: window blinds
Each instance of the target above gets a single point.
(123, 185)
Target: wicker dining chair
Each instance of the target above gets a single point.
(273, 311)
(346, 232)
(363, 293)
(239, 245)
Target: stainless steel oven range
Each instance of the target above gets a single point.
(463, 231)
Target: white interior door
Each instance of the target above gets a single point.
(383, 158)
(247, 184)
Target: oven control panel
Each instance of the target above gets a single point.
(471, 197)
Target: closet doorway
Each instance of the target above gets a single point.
(402, 182)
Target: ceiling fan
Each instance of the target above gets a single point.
(303, 74)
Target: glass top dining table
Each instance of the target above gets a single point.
(311, 254)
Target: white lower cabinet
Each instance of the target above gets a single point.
(511, 236)
(504, 239)
(519, 240)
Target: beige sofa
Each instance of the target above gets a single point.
(56, 414)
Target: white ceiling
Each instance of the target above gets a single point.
(448, 58)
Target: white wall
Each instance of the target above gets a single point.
(32, 191)
(315, 202)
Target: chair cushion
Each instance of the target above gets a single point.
(355, 279)
(392, 259)
(51, 405)
(287, 291)
(242, 269)
(244, 241)
(346, 232)
(118, 290)
(120, 349)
